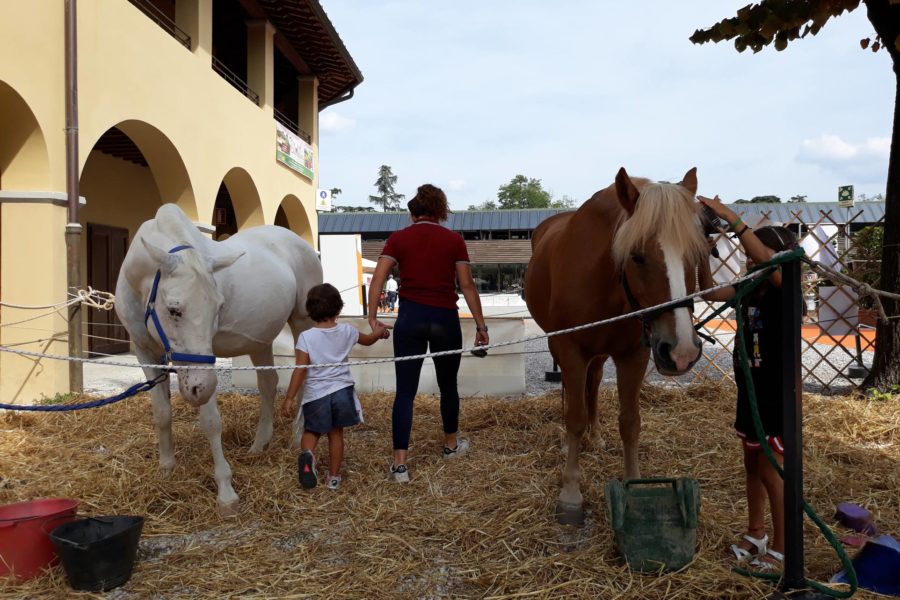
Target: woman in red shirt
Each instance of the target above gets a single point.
(431, 259)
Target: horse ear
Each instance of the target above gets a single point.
(689, 182)
(159, 256)
(225, 260)
(626, 191)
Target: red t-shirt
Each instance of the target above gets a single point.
(427, 255)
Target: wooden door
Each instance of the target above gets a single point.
(106, 251)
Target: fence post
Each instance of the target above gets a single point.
(365, 300)
(553, 375)
(791, 395)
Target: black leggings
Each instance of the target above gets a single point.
(419, 327)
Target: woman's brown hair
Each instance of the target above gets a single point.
(429, 201)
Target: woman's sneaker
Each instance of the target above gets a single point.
(399, 474)
(462, 447)
(306, 465)
(334, 482)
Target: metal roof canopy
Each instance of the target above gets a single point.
(521, 220)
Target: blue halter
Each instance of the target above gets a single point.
(170, 356)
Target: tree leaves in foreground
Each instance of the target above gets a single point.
(779, 22)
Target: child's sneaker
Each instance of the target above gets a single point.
(398, 474)
(306, 465)
(462, 447)
(334, 482)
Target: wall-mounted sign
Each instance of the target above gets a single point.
(293, 151)
(323, 200)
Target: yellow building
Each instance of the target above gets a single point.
(178, 101)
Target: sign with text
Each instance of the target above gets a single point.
(293, 151)
(845, 196)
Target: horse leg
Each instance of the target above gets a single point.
(569, 509)
(594, 440)
(211, 424)
(161, 401)
(267, 381)
(630, 371)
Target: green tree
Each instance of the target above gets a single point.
(387, 197)
(757, 25)
(564, 202)
(765, 200)
(522, 192)
(798, 198)
(486, 205)
(352, 209)
(335, 192)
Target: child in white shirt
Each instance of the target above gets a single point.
(329, 400)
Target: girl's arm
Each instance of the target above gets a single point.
(379, 332)
(754, 248)
(289, 406)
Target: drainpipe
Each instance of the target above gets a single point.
(343, 98)
(73, 228)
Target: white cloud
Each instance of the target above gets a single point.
(332, 122)
(865, 161)
(456, 185)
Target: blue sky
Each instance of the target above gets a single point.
(467, 94)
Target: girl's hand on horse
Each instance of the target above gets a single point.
(288, 407)
(717, 207)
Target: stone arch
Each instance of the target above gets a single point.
(292, 215)
(131, 170)
(24, 162)
(238, 204)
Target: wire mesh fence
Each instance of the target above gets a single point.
(838, 329)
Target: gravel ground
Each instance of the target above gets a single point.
(107, 380)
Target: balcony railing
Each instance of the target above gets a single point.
(163, 20)
(287, 122)
(238, 83)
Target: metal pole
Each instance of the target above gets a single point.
(793, 440)
(365, 300)
(73, 229)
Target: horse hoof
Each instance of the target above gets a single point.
(228, 510)
(569, 514)
(256, 449)
(166, 471)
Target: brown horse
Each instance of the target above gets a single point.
(635, 244)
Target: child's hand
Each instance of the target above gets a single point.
(288, 407)
(382, 332)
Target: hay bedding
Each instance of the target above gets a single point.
(481, 527)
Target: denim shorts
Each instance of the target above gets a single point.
(337, 409)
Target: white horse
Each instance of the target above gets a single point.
(212, 299)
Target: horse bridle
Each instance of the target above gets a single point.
(150, 313)
(648, 317)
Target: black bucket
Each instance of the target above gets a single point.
(98, 553)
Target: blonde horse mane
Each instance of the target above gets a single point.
(664, 211)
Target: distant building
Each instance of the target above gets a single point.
(499, 241)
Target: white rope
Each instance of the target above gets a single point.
(862, 288)
(90, 296)
(396, 358)
(34, 318)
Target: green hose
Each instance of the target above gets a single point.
(742, 290)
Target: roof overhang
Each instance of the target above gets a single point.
(306, 37)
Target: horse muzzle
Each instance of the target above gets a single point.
(672, 360)
(196, 387)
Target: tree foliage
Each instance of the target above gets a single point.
(779, 22)
(387, 197)
(335, 192)
(759, 200)
(352, 209)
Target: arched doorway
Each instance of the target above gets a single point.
(132, 169)
(24, 163)
(237, 206)
(291, 215)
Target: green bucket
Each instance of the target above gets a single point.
(655, 521)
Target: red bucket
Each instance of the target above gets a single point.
(25, 545)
